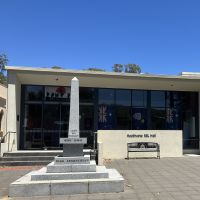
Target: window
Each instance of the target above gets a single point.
(33, 93)
(190, 120)
(139, 118)
(139, 98)
(158, 99)
(158, 114)
(106, 96)
(123, 110)
(105, 117)
(139, 111)
(123, 97)
(86, 95)
(57, 93)
(32, 126)
(158, 118)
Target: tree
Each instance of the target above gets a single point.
(96, 69)
(132, 68)
(56, 67)
(118, 68)
(3, 63)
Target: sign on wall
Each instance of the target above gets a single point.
(57, 93)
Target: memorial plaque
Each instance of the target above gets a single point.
(72, 160)
(73, 140)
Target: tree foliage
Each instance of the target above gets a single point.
(95, 69)
(118, 68)
(128, 68)
(3, 63)
(56, 67)
(132, 68)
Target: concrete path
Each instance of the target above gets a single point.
(145, 179)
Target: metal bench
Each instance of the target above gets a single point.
(143, 147)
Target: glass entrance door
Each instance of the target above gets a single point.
(32, 126)
(51, 125)
(55, 124)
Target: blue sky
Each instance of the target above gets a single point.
(162, 36)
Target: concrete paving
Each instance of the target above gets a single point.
(145, 179)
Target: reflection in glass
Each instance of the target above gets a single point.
(173, 117)
(106, 96)
(87, 123)
(86, 118)
(158, 118)
(33, 126)
(139, 117)
(123, 97)
(86, 95)
(123, 118)
(33, 93)
(190, 120)
(139, 98)
(51, 125)
(64, 121)
(158, 99)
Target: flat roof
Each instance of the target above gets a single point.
(190, 73)
(183, 75)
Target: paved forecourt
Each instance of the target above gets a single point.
(145, 179)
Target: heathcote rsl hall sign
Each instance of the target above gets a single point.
(114, 142)
(145, 135)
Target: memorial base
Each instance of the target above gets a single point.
(67, 179)
(24, 187)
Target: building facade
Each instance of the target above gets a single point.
(38, 105)
(3, 110)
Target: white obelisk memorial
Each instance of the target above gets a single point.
(72, 173)
(73, 145)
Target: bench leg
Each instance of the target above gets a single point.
(158, 155)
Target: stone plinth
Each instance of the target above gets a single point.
(43, 175)
(52, 168)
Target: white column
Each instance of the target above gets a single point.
(199, 117)
(13, 106)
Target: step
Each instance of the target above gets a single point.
(40, 153)
(52, 168)
(31, 153)
(27, 158)
(42, 175)
(24, 163)
(115, 183)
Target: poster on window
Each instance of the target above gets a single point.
(105, 116)
(59, 93)
(172, 118)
